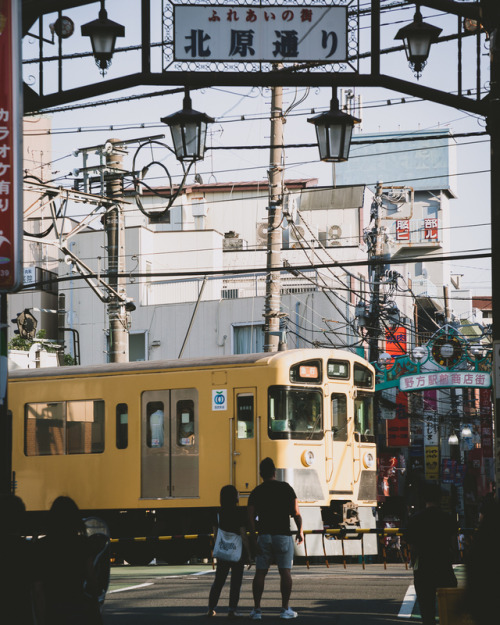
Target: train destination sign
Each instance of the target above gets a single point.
(270, 34)
(445, 379)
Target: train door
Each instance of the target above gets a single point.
(245, 440)
(169, 444)
(343, 452)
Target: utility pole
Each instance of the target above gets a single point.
(376, 253)
(274, 232)
(115, 231)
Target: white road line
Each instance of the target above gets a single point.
(130, 588)
(408, 603)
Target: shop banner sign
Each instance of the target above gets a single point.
(11, 107)
(445, 379)
(273, 34)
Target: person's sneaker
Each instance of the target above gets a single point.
(234, 614)
(256, 614)
(211, 613)
(288, 613)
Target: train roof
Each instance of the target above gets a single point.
(292, 356)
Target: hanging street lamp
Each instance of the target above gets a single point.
(189, 131)
(103, 33)
(334, 132)
(418, 37)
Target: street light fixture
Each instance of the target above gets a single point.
(418, 37)
(419, 353)
(453, 439)
(334, 132)
(103, 33)
(189, 131)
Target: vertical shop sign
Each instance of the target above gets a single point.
(10, 147)
(403, 230)
(486, 422)
(432, 462)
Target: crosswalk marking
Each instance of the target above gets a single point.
(408, 603)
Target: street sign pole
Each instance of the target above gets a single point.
(11, 205)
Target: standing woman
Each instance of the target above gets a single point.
(232, 519)
(67, 563)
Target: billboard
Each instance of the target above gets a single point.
(11, 209)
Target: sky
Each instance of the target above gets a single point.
(242, 116)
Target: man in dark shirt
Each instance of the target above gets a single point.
(270, 506)
(432, 536)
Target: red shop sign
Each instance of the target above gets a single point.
(11, 206)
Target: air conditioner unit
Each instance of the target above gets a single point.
(336, 235)
(234, 243)
(301, 236)
(261, 235)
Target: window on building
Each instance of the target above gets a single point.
(138, 346)
(248, 339)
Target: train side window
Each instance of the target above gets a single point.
(59, 428)
(121, 426)
(185, 423)
(85, 427)
(244, 416)
(339, 417)
(44, 429)
(155, 419)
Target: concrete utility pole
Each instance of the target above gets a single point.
(115, 231)
(376, 253)
(274, 231)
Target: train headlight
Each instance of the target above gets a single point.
(369, 460)
(307, 458)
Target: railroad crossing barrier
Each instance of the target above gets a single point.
(342, 534)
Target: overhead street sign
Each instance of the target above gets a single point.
(272, 34)
(11, 108)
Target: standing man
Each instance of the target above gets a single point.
(432, 536)
(272, 503)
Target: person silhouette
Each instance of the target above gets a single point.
(67, 563)
(19, 585)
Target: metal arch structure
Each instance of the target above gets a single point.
(307, 75)
(485, 12)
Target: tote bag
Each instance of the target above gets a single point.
(228, 546)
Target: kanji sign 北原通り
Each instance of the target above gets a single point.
(250, 33)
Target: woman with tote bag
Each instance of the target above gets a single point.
(231, 550)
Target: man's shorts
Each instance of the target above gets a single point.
(274, 548)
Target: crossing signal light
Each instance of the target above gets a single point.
(26, 324)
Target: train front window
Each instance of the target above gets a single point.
(363, 418)
(295, 414)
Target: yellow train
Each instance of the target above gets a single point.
(147, 445)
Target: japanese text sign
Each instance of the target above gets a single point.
(10, 147)
(444, 379)
(403, 230)
(271, 33)
(431, 229)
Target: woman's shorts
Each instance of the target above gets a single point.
(274, 548)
